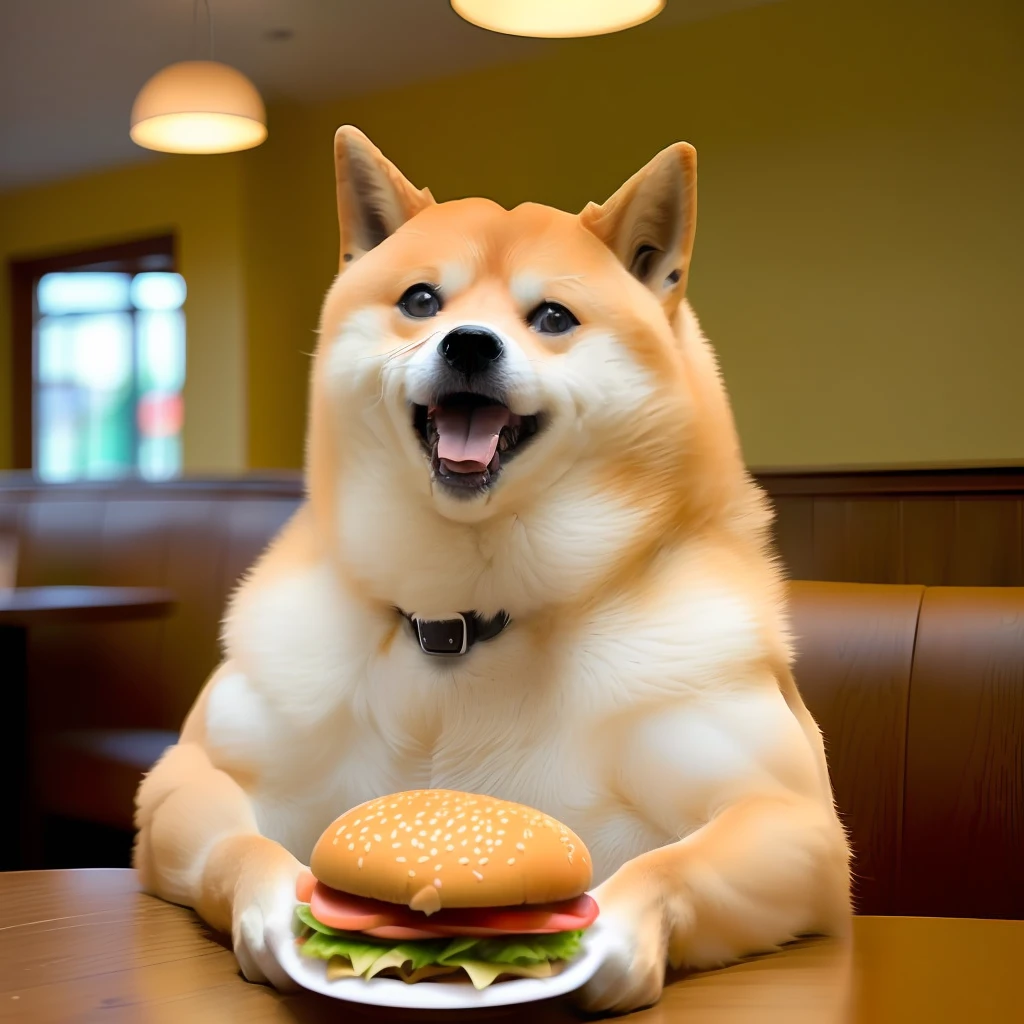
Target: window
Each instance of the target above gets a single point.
(106, 363)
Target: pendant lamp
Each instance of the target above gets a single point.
(557, 18)
(199, 106)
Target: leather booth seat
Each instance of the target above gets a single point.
(919, 691)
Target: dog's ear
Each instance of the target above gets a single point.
(650, 221)
(374, 198)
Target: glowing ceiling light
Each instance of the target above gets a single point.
(198, 106)
(557, 18)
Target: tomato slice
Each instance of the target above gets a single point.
(541, 918)
(396, 921)
(402, 934)
(354, 913)
(477, 932)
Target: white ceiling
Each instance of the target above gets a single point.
(69, 69)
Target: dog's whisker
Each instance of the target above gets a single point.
(388, 363)
(404, 350)
(397, 353)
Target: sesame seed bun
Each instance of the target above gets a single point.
(434, 848)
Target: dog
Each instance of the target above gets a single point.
(530, 563)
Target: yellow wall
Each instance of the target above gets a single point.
(860, 238)
(859, 259)
(199, 201)
(285, 278)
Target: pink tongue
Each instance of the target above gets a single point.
(468, 438)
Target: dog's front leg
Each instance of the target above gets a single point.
(763, 871)
(199, 845)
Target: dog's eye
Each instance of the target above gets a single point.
(552, 318)
(421, 300)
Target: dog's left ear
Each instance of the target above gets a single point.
(650, 221)
(374, 198)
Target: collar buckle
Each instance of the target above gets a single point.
(443, 638)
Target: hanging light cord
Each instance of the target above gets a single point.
(195, 27)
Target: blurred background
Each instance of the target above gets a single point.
(858, 266)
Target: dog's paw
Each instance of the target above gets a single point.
(633, 972)
(262, 919)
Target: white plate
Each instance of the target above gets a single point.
(425, 995)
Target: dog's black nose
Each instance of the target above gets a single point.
(470, 350)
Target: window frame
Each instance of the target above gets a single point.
(121, 257)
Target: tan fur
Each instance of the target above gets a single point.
(642, 694)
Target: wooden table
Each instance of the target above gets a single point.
(20, 610)
(81, 946)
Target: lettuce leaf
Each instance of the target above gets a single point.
(361, 954)
(456, 946)
(526, 949)
(482, 959)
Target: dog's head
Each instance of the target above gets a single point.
(475, 362)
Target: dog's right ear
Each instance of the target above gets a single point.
(649, 223)
(374, 198)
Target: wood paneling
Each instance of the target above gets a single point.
(931, 527)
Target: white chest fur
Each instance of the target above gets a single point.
(591, 728)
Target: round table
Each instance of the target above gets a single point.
(22, 608)
(88, 946)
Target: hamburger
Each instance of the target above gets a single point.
(436, 884)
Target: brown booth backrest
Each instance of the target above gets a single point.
(919, 692)
(920, 695)
(196, 538)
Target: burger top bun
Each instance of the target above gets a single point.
(434, 848)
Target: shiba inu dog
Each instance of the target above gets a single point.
(530, 564)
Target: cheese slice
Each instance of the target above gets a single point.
(483, 973)
(421, 973)
(339, 967)
(395, 963)
(392, 958)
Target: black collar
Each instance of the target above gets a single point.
(454, 637)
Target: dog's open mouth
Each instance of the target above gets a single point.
(469, 437)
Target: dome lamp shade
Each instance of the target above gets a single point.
(198, 106)
(557, 19)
